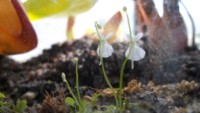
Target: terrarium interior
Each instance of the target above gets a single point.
(91, 56)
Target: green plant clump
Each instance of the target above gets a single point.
(9, 107)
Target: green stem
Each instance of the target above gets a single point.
(108, 82)
(121, 84)
(9, 109)
(129, 25)
(77, 83)
(70, 90)
(124, 64)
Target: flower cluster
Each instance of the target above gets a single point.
(133, 53)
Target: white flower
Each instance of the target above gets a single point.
(105, 49)
(134, 51)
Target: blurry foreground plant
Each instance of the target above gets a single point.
(38, 9)
(20, 106)
(3, 104)
(8, 107)
(16, 32)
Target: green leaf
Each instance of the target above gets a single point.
(79, 6)
(97, 112)
(87, 108)
(110, 109)
(42, 8)
(20, 106)
(95, 96)
(70, 101)
(2, 95)
(2, 103)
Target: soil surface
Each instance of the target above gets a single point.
(155, 85)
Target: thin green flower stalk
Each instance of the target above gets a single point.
(133, 53)
(77, 80)
(102, 65)
(77, 100)
(69, 88)
(123, 65)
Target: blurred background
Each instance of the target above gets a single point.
(52, 29)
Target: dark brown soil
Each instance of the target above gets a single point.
(41, 76)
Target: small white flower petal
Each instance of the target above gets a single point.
(136, 54)
(138, 37)
(106, 49)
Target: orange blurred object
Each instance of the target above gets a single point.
(112, 26)
(16, 32)
(70, 25)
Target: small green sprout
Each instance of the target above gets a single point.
(2, 95)
(21, 105)
(70, 101)
(9, 107)
(83, 105)
(75, 99)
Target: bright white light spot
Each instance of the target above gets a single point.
(23, 1)
(159, 6)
